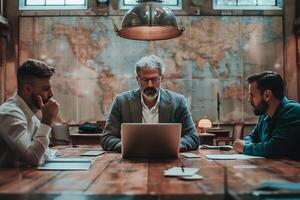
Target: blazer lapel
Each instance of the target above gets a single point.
(165, 107)
(136, 107)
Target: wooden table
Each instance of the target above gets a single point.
(243, 177)
(243, 181)
(111, 177)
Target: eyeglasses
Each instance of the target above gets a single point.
(153, 80)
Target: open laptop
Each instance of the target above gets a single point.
(157, 140)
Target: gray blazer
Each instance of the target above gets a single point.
(127, 108)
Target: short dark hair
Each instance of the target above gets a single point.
(33, 69)
(269, 80)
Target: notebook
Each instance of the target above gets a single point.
(157, 140)
(66, 164)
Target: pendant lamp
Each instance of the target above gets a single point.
(149, 20)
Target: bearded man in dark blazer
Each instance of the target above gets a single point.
(149, 104)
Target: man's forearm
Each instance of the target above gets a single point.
(110, 143)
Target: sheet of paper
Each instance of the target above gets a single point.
(70, 159)
(193, 177)
(65, 166)
(92, 153)
(190, 155)
(177, 171)
(230, 157)
(52, 153)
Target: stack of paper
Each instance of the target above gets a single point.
(93, 153)
(186, 173)
(177, 171)
(230, 157)
(190, 155)
(68, 164)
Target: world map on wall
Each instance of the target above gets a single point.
(214, 55)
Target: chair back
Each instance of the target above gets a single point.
(238, 130)
(248, 127)
(60, 134)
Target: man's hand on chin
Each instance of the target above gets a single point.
(238, 146)
(49, 110)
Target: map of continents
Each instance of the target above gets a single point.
(215, 54)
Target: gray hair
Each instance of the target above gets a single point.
(149, 63)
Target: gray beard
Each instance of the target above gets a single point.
(150, 93)
(150, 97)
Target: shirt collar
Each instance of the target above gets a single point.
(155, 106)
(23, 105)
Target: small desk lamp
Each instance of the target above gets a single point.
(203, 124)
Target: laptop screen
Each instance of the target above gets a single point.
(157, 140)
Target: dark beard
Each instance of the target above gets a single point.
(261, 108)
(34, 102)
(151, 91)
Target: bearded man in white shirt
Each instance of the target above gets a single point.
(23, 137)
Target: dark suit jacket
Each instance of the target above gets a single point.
(127, 108)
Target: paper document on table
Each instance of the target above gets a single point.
(67, 164)
(177, 171)
(190, 155)
(92, 153)
(230, 157)
(70, 159)
(193, 177)
(52, 153)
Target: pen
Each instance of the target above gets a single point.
(182, 166)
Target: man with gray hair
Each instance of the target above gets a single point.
(149, 104)
(22, 135)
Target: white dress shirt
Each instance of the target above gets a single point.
(150, 115)
(22, 136)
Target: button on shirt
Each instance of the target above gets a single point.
(150, 115)
(22, 136)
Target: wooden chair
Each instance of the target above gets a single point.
(238, 133)
(86, 138)
(248, 127)
(60, 134)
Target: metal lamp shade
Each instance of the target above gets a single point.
(149, 21)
